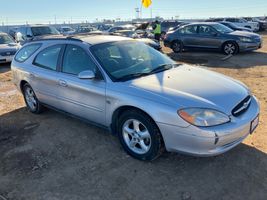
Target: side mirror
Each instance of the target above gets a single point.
(88, 74)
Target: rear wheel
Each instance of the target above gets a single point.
(139, 135)
(177, 46)
(230, 48)
(31, 100)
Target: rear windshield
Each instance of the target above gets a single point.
(26, 52)
(44, 30)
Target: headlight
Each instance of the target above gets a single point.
(245, 39)
(203, 117)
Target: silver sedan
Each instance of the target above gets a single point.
(138, 93)
(8, 48)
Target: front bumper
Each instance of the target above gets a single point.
(209, 141)
(249, 46)
(6, 59)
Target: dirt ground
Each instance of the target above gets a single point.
(56, 157)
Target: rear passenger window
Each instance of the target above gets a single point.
(48, 57)
(27, 52)
(188, 30)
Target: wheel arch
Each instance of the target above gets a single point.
(22, 83)
(120, 110)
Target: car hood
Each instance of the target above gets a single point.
(9, 47)
(188, 86)
(244, 34)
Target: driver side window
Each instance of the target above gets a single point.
(77, 60)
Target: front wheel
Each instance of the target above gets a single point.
(31, 100)
(139, 135)
(229, 48)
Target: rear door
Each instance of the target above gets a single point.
(189, 35)
(44, 75)
(82, 97)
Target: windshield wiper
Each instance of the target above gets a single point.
(132, 76)
(161, 68)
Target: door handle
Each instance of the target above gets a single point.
(63, 83)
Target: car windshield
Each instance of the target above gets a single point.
(5, 39)
(222, 28)
(44, 30)
(126, 60)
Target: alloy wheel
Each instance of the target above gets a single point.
(229, 48)
(30, 98)
(136, 136)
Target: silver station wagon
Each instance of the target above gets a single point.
(148, 100)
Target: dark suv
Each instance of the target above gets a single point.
(30, 32)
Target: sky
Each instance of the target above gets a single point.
(59, 11)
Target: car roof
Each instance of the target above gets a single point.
(36, 25)
(203, 23)
(90, 39)
(98, 39)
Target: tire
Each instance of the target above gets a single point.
(177, 46)
(230, 48)
(139, 135)
(31, 100)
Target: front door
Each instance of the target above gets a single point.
(83, 98)
(208, 37)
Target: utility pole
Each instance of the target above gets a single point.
(137, 13)
(55, 19)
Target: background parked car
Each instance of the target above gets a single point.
(66, 30)
(262, 23)
(8, 48)
(212, 35)
(12, 32)
(234, 27)
(85, 29)
(120, 28)
(31, 32)
(138, 37)
(240, 22)
(166, 25)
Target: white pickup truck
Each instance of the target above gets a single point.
(255, 26)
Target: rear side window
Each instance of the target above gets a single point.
(188, 30)
(27, 52)
(48, 57)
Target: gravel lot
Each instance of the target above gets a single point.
(53, 156)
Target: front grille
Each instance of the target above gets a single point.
(8, 53)
(242, 107)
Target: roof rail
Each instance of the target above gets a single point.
(55, 37)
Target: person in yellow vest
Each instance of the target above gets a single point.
(157, 30)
